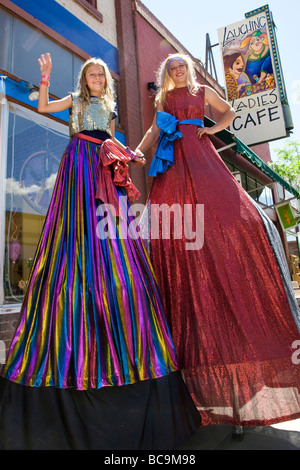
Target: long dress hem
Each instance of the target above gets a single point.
(230, 307)
(92, 364)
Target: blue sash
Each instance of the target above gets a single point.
(164, 155)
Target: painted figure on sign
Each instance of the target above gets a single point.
(237, 81)
(259, 63)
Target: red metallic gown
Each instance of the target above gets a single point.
(233, 317)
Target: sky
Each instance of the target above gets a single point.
(190, 20)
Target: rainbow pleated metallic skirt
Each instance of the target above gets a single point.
(92, 319)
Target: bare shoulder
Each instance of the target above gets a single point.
(209, 93)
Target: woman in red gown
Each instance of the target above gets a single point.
(230, 306)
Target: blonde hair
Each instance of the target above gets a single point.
(165, 82)
(108, 90)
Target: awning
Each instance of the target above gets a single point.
(242, 149)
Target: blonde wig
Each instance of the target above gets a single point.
(165, 82)
(108, 90)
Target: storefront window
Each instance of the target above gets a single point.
(35, 145)
(256, 189)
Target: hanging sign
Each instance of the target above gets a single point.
(254, 84)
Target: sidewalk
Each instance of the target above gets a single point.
(283, 436)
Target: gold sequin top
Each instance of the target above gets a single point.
(95, 116)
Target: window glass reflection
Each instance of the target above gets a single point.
(34, 153)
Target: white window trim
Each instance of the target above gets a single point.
(4, 113)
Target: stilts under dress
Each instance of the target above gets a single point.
(230, 305)
(92, 364)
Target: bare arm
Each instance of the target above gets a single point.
(44, 106)
(228, 113)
